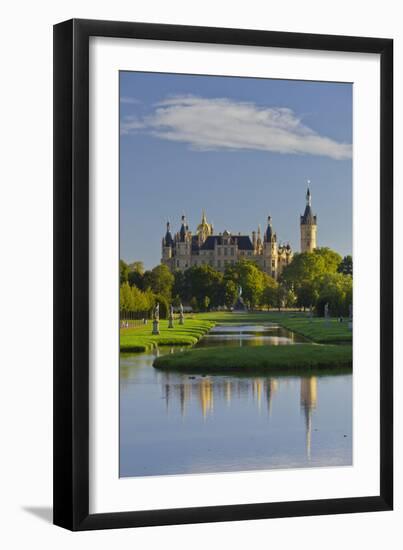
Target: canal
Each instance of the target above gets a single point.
(176, 423)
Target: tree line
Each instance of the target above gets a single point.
(311, 280)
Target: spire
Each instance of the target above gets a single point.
(259, 237)
(182, 231)
(168, 235)
(308, 195)
(308, 218)
(269, 231)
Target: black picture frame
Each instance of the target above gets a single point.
(71, 274)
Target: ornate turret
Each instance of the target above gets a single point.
(168, 240)
(182, 231)
(167, 246)
(204, 229)
(269, 236)
(308, 225)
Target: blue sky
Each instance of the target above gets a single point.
(240, 148)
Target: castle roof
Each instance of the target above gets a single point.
(269, 232)
(182, 231)
(308, 217)
(243, 242)
(168, 239)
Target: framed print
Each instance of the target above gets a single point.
(223, 253)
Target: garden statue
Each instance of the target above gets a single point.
(181, 316)
(240, 304)
(156, 321)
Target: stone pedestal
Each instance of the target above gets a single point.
(181, 319)
(156, 327)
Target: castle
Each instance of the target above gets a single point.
(184, 249)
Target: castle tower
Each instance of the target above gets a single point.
(183, 250)
(308, 226)
(259, 243)
(270, 256)
(308, 400)
(167, 246)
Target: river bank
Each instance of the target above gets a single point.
(140, 339)
(297, 358)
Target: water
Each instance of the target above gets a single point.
(173, 423)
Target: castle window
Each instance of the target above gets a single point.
(273, 263)
(219, 251)
(218, 263)
(232, 251)
(225, 251)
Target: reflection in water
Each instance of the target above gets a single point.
(250, 335)
(309, 389)
(203, 389)
(176, 423)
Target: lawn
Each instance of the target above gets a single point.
(315, 329)
(293, 358)
(140, 339)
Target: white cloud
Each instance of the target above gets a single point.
(221, 123)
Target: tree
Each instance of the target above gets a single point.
(335, 290)
(125, 297)
(230, 292)
(137, 267)
(346, 265)
(252, 280)
(123, 271)
(206, 303)
(306, 271)
(179, 287)
(194, 304)
(160, 280)
(135, 300)
(135, 278)
(270, 292)
(202, 281)
(135, 275)
(331, 259)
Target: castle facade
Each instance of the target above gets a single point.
(220, 250)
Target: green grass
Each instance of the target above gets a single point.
(315, 329)
(140, 339)
(292, 358)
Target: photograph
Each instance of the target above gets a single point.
(235, 274)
